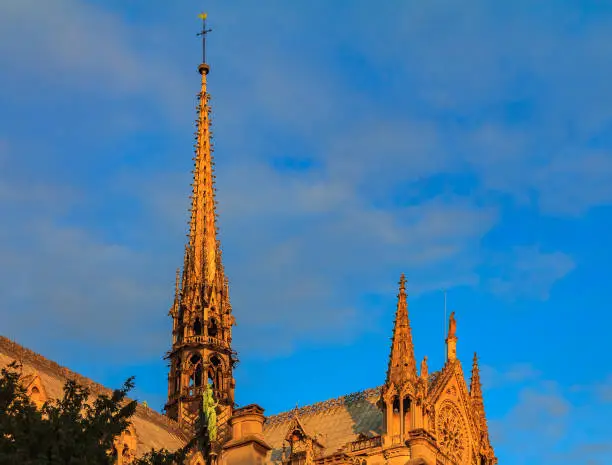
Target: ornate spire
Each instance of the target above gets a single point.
(202, 317)
(402, 364)
(177, 294)
(201, 261)
(476, 393)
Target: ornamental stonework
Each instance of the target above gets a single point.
(452, 433)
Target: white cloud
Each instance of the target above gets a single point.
(306, 232)
(77, 47)
(517, 373)
(528, 272)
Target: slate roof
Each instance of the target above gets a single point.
(334, 422)
(153, 430)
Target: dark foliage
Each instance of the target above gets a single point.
(67, 431)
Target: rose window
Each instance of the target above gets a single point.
(451, 433)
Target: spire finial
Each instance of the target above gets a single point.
(203, 68)
(402, 282)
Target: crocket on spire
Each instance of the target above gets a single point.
(402, 364)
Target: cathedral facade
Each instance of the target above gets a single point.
(416, 417)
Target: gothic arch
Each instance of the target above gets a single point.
(197, 327)
(213, 327)
(215, 371)
(195, 371)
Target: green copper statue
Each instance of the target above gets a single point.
(210, 414)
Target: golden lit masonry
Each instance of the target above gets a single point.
(417, 416)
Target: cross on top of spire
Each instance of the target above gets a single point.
(203, 68)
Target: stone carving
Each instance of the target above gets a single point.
(209, 411)
(452, 326)
(452, 436)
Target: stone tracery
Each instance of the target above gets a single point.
(452, 435)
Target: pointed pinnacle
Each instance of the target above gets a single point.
(402, 282)
(475, 386)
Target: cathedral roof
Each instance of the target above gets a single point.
(334, 423)
(153, 430)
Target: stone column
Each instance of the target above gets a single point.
(401, 409)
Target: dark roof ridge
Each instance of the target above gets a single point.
(55, 369)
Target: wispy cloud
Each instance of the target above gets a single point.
(528, 272)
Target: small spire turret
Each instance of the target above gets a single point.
(477, 397)
(402, 364)
(475, 386)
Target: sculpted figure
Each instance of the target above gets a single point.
(452, 325)
(210, 413)
(424, 373)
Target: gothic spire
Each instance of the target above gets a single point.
(201, 261)
(402, 364)
(476, 392)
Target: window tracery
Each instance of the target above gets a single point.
(195, 373)
(452, 435)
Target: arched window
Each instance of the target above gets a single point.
(198, 375)
(195, 375)
(212, 379)
(214, 374)
(197, 327)
(213, 329)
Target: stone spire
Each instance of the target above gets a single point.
(476, 392)
(402, 364)
(202, 320)
(201, 264)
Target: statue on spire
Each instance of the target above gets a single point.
(424, 370)
(452, 326)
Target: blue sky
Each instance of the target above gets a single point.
(467, 144)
